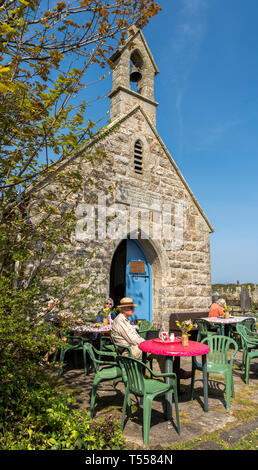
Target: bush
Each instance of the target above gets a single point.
(43, 418)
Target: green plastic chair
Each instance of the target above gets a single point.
(109, 372)
(106, 343)
(147, 389)
(249, 342)
(204, 329)
(120, 348)
(249, 323)
(143, 329)
(74, 343)
(220, 361)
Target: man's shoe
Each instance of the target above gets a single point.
(184, 374)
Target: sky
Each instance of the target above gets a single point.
(207, 89)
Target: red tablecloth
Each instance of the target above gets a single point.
(174, 349)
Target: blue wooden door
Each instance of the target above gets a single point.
(138, 280)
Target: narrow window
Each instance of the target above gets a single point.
(138, 157)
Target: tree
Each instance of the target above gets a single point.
(38, 80)
(40, 122)
(38, 86)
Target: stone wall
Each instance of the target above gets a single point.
(181, 275)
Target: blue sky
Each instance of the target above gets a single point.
(207, 89)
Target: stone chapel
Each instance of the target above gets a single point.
(156, 248)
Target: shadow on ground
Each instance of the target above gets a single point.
(215, 429)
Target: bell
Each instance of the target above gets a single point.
(135, 75)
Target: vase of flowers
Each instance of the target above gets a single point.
(227, 311)
(106, 316)
(185, 327)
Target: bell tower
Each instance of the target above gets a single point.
(133, 77)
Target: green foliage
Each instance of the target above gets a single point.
(42, 119)
(43, 418)
(39, 82)
(145, 325)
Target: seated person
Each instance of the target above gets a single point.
(123, 331)
(125, 334)
(109, 305)
(216, 309)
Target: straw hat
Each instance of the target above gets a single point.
(126, 302)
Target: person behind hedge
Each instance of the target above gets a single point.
(109, 305)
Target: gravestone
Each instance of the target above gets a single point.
(244, 299)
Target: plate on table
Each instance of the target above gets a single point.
(224, 318)
(169, 341)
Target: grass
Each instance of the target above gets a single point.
(184, 417)
(249, 443)
(245, 414)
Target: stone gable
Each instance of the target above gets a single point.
(158, 208)
(181, 276)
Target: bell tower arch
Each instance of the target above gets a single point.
(133, 77)
(136, 70)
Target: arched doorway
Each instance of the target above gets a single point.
(117, 273)
(131, 276)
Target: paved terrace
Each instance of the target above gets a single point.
(215, 430)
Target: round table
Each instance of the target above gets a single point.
(224, 322)
(93, 328)
(90, 331)
(176, 350)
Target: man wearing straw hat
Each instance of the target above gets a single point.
(123, 332)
